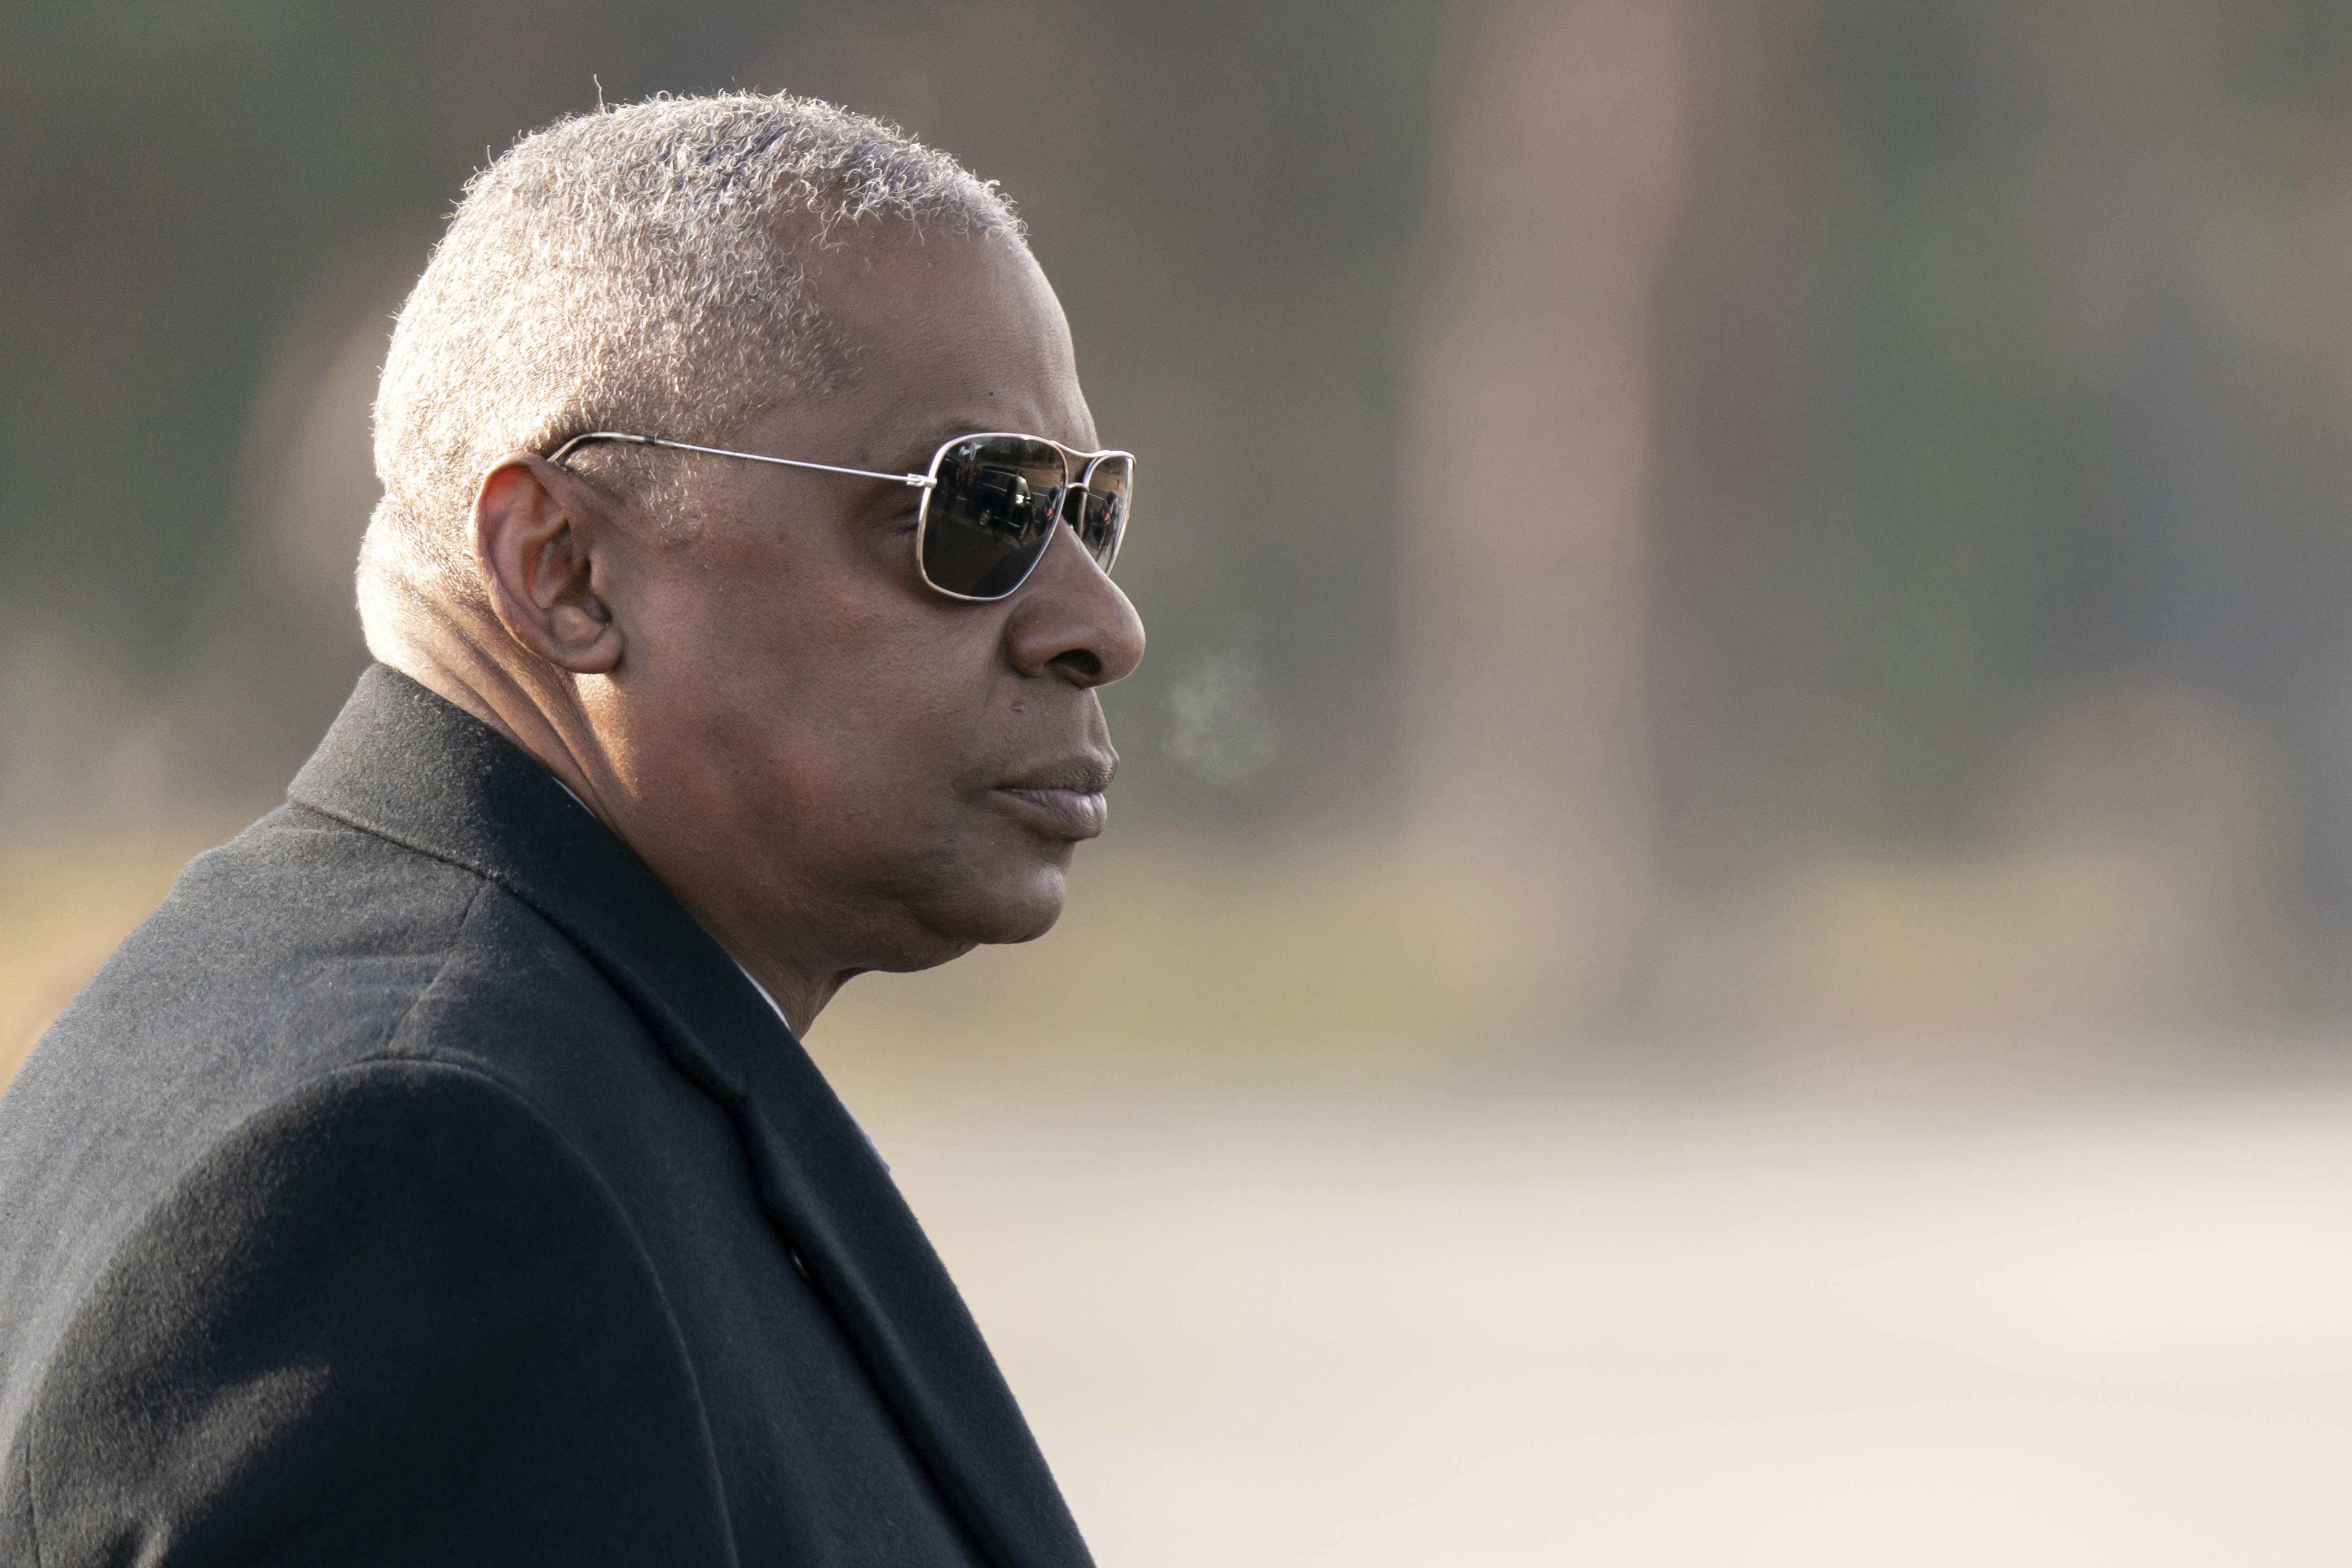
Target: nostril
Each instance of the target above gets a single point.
(1080, 661)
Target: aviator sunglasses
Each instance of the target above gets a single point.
(989, 503)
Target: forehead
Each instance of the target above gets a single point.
(948, 334)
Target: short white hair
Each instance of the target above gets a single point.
(636, 268)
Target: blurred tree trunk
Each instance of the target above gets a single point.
(1560, 130)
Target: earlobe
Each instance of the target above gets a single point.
(537, 530)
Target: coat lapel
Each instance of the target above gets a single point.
(403, 763)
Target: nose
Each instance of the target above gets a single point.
(1071, 621)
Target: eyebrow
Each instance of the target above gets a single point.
(920, 450)
(947, 430)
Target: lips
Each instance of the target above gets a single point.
(1063, 800)
(1064, 813)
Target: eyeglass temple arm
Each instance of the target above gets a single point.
(916, 481)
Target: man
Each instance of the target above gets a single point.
(437, 1178)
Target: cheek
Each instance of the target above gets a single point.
(877, 710)
(899, 717)
(835, 704)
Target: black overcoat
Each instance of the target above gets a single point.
(421, 1185)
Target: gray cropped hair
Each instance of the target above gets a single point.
(635, 268)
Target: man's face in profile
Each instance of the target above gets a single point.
(812, 742)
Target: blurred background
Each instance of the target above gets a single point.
(1724, 934)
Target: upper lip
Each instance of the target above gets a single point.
(1087, 773)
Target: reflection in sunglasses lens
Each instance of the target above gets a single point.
(1102, 511)
(990, 514)
(997, 503)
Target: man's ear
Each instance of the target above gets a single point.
(536, 532)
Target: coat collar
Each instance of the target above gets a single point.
(405, 765)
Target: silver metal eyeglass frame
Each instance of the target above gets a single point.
(1074, 479)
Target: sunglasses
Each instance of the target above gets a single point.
(990, 505)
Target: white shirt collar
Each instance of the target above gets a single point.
(763, 991)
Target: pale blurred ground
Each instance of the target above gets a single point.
(1436, 1298)
(1270, 1327)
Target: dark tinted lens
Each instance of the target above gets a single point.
(1100, 514)
(992, 514)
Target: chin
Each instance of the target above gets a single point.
(989, 916)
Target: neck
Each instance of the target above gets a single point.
(480, 668)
